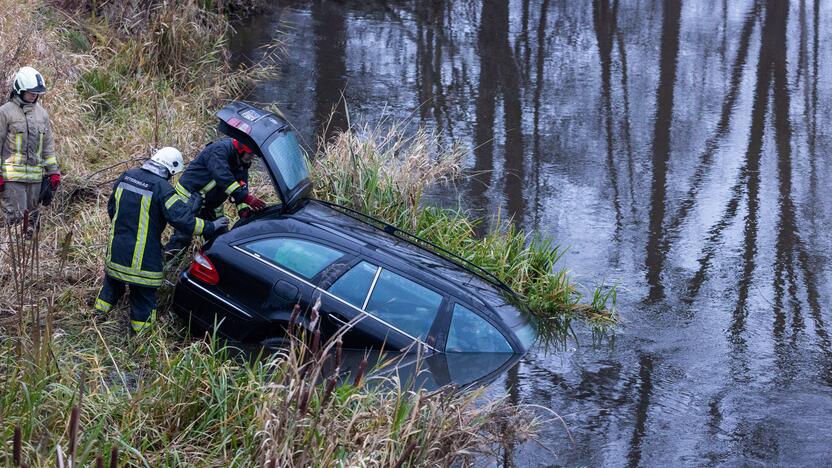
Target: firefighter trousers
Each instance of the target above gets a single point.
(142, 301)
(18, 198)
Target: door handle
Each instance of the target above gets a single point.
(286, 290)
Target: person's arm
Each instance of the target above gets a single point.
(50, 163)
(243, 208)
(217, 163)
(111, 202)
(178, 213)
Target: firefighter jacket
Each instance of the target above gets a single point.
(141, 205)
(26, 138)
(215, 174)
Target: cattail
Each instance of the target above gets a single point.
(314, 316)
(338, 352)
(360, 374)
(294, 317)
(17, 446)
(272, 463)
(330, 386)
(73, 431)
(99, 462)
(316, 341)
(114, 457)
(303, 404)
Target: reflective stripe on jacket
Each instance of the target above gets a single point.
(141, 205)
(216, 174)
(26, 143)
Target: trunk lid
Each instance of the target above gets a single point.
(271, 137)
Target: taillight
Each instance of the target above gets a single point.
(203, 270)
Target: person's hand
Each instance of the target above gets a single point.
(220, 223)
(255, 203)
(2, 184)
(54, 181)
(244, 212)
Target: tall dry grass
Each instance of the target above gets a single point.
(75, 391)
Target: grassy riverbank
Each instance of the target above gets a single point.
(122, 81)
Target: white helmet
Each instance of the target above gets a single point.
(170, 158)
(28, 79)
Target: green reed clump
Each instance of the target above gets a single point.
(385, 171)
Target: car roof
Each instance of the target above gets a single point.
(338, 228)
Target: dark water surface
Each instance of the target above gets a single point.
(680, 149)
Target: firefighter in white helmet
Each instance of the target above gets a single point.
(27, 151)
(142, 203)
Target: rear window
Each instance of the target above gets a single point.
(285, 154)
(303, 257)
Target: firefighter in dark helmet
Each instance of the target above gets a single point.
(219, 172)
(141, 205)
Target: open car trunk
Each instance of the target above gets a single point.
(270, 137)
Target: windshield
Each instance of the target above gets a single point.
(285, 154)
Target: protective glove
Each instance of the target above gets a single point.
(244, 212)
(2, 184)
(255, 203)
(54, 181)
(220, 223)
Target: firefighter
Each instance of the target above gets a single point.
(26, 147)
(219, 172)
(141, 205)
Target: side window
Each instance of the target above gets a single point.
(354, 285)
(300, 256)
(471, 333)
(405, 304)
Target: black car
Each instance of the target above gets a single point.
(389, 288)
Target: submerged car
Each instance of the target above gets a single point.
(376, 284)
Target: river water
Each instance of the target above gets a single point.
(677, 148)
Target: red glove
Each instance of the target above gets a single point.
(255, 203)
(244, 213)
(54, 181)
(2, 184)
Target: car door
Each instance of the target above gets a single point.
(295, 262)
(382, 308)
(342, 307)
